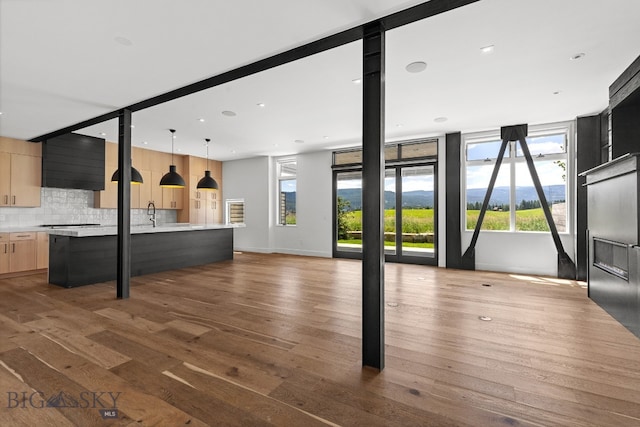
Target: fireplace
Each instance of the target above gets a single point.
(614, 238)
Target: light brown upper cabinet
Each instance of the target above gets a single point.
(202, 206)
(20, 173)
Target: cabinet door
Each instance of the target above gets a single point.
(26, 180)
(22, 255)
(42, 250)
(156, 190)
(145, 188)
(172, 198)
(5, 179)
(107, 198)
(4, 254)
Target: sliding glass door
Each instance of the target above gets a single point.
(410, 232)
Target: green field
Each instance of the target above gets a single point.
(526, 220)
(415, 220)
(421, 221)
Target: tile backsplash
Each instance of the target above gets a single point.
(63, 206)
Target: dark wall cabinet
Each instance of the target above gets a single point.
(73, 161)
(624, 105)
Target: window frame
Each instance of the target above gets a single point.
(511, 160)
(279, 180)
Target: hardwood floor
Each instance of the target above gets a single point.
(275, 340)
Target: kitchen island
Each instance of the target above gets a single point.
(82, 256)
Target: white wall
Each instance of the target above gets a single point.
(249, 180)
(254, 181)
(525, 253)
(313, 232)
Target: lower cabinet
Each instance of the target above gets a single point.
(42, 250)
(4, 253)
(23, 252)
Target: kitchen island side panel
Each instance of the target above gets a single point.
(77, 261)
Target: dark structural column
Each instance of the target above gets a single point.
(372, 197)
(453, 144)
(124, 204)
(588, 155)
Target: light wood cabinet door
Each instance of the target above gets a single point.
(5, 179)
(20, 180)
(26, 180)
(107, 198)
(22, 255)
(156, 190)
(145, 188)
(4, 253)
(42, 250)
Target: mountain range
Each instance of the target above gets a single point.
(424, 199)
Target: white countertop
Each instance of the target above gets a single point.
(112, 230)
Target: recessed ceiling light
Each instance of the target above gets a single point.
(416, 67)
(233, 151)
(145, 142)
(440, 119)
(487, 49)
(398, 125)
(228, 113)
(132, 126)
(201, 120)
(178, 150)
(123, 41)
(262, 105)
(577, 56)
(299, 141)
(103, 134)
(325, 137)
(275, 145)
(356, 81)
(0, 113)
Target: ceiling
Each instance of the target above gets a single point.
(66, 61)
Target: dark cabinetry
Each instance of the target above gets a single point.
(73, 161)
(624, 105)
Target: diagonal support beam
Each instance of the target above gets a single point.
(566, 267)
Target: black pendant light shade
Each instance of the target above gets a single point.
(136, 178)
(207, 182)
(172, 179)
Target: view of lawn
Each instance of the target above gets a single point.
(421, 221)
(526, 220)
(415, 220)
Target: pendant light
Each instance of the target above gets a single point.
(136, 178)
(207, 182)
(172, 179)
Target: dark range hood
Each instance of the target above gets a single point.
(73, 161)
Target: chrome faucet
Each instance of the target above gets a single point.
(151, 211)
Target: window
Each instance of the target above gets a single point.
(410, 202)
(235, 211)
(514, 203)
(287, 191)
